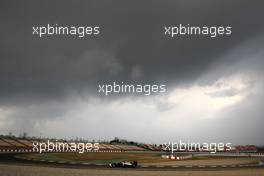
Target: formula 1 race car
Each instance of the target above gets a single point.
(131, 164)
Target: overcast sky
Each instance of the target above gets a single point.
(215, 86)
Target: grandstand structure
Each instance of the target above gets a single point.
(18, 145)
(12, 144)
(121, 147)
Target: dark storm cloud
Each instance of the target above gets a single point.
(131, 42)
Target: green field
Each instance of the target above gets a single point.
(98, 158)
(143, 158)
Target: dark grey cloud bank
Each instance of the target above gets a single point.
(38, 77)
(132, 36)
